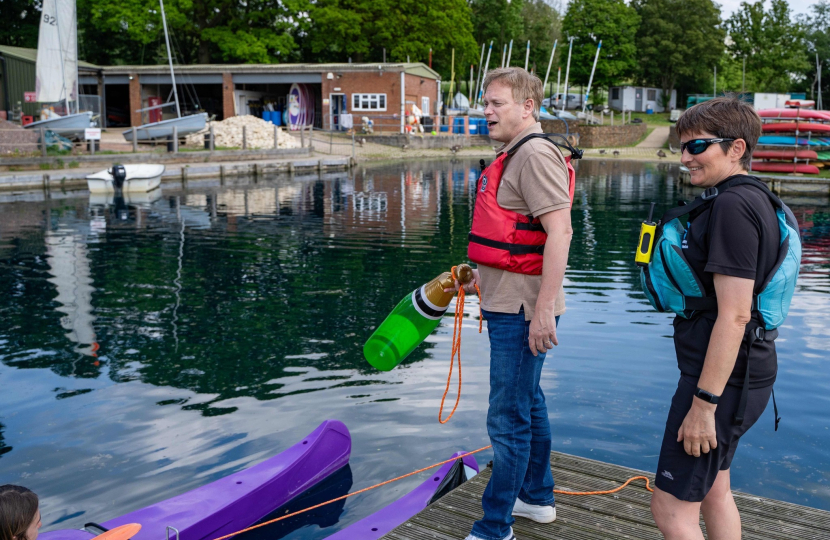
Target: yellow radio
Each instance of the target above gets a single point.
(647, 229)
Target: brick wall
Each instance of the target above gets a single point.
(610, 136)
(135, 100)
(228, 108)
(380, 82)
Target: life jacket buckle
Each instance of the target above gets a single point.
(709, 193)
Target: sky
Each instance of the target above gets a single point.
(797, 6)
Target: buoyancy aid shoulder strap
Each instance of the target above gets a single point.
(574, 152)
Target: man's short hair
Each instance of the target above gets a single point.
(524, 85)
(727, 117)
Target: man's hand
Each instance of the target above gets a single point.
(542, 331)
(698, 428)
(469, 287)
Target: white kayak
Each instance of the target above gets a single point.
(142, 177)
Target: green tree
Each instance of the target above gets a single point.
(588, 22)
(362, 29)
(678, 39)
(772, 43)
(21, 20)
(499, 21)
(204, 31)
(541, 25)
(817, 24)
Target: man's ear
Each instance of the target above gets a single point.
(528, 107)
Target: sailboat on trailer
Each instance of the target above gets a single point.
(57, 53)
(164, 129)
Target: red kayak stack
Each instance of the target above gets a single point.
(792, 139)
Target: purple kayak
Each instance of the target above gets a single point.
(448, 477)
(240, 499)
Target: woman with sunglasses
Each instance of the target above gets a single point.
(732, 245)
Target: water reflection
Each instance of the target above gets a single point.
(208, 326)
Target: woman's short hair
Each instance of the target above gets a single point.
(727, 117)
(18, 507)
(524, 85)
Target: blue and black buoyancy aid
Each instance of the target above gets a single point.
(671, 285)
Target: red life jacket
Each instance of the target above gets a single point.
(502, 238)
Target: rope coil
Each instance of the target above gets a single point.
(456, 345)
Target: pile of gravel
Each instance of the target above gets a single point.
(14, 140)
(259, 134)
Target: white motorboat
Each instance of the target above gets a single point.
(141, 178)
(137, 198)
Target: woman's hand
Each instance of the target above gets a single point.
(469, 287)
(698, 428)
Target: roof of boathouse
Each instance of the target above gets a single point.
(410, 68)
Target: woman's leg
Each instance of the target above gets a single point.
(720, 512)
(676, 519)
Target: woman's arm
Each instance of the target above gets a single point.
(734, 312)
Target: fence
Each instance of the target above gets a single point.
(45, 143)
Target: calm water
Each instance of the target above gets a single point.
(230, 321)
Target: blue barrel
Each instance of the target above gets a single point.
(482, 127)
(276, 117)
(458, 125)
(473, 126)
(445, 128)
(266, 115)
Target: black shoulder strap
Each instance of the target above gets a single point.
(710, 193)
(576, 153)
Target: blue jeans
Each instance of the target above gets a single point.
(518, 425)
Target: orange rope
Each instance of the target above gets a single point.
(364, 490)
(292, 514)
(607, 492)
(456, 346)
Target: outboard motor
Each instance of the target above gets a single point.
(119, 175)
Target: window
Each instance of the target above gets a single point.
(615, 93)
(652, 95)
(425, 105)
(368, 102)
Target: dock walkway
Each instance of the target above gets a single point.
(624, 514)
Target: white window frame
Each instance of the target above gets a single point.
(425, 105)
(651, 94)
(369, 102)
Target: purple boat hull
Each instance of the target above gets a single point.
(240, 499)
(389, 517)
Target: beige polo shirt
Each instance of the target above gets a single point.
(535, 181)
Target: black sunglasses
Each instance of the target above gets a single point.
(698, 146)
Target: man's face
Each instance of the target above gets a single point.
(505, 117)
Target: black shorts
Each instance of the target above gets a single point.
(690, 478)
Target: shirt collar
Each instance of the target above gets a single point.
(535, 128)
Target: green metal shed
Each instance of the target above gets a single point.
(17, 76)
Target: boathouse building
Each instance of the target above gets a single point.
(322, 93)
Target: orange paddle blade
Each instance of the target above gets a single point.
(124, 532)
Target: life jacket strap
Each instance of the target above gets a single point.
(513, 249)
(700, 303)
(755, 333)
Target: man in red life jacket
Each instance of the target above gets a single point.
(520, 238)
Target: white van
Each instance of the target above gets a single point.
(574, 101)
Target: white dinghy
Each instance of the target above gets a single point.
(139, 178)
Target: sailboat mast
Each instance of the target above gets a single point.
(170, 59)
(77, 61)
